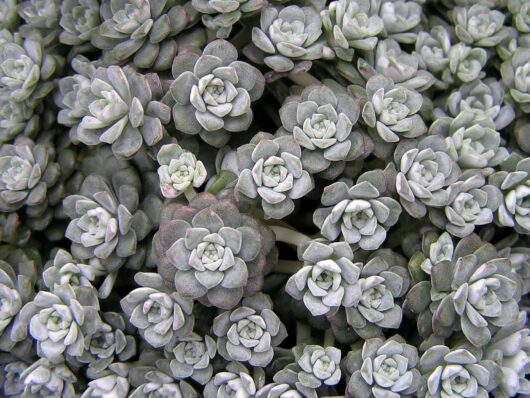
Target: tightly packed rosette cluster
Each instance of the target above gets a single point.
(264, 198)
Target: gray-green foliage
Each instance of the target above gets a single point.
(45, 378)
(321, 120)
(250, 332)
(383, 368)
(160, 314)
(360, 214)
(141, 31)
(213, 91)
(328, 278)
(318, 365)
(467, 287)
(271, 169)
(235, 381)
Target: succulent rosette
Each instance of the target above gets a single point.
(466, 287)
(17, 118)
(515, 73)
(29, 179)
(158, 381)
(328, 278)
(9, 18)
(509, 348)
(111, 383)
(79, 19)
(141, 31)
(235, 381)
(287, 37)
(514, 209)
(349, 26)
(484, 98)
(121, 111)
(65, 270)
(473, 140)
(392, 110)
(432, 49)
(317, 365)
(457, 371)
(45, 378)
(179, 170)
(106, 222)
(18, 275)
(270, 168)
(26, 69)
(212, 251)
(160, 314)
(250, 332)
(479, 25)
(383, 368)
(400, 66)
(466, 63)
(361, 214)
(321, 120)
(470, 203)
(424, 171)
(11, 382)
(192, 358)
(400, 18)
(221, 16)
(213, 92)
(60, 320)
(375, 295)
(40, 17)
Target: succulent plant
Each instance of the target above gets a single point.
(49, 379)
(285, 385)
(318, 365)
(106, 222)
(112, 383)
(120, 111)
(11, 384)
(515, 186)
(458, 371)
(18, 275)
(321, 120)
(479, 25)
(270, 168)
(328, 278)
(509, 348)
(160, 314)
(192, 357)
(466, 63)
(400, 66)
(473, 140)
(485, 98)
(29, 178)
(220, 17)
(234, 382)
(40, 17)
(179, 170)
(142, 31)
(213, 252)
(250, 332)
(158, 381)
(213, 92)
(349, 26)
(432, 49)
(26, 69)
(12, 230)
(424, 170)
(374, 299)
(289, 36)
(65, 270)
(470, 203)
(519, 10)
(392, 110)
(9, 18)
(361, 214)
(514, 74)
(17, 118)
(468, 287)
(383, 368)
(400, 18)
(79, 19)
(108, 344)
(61, 320)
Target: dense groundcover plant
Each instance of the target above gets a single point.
(264, 198)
